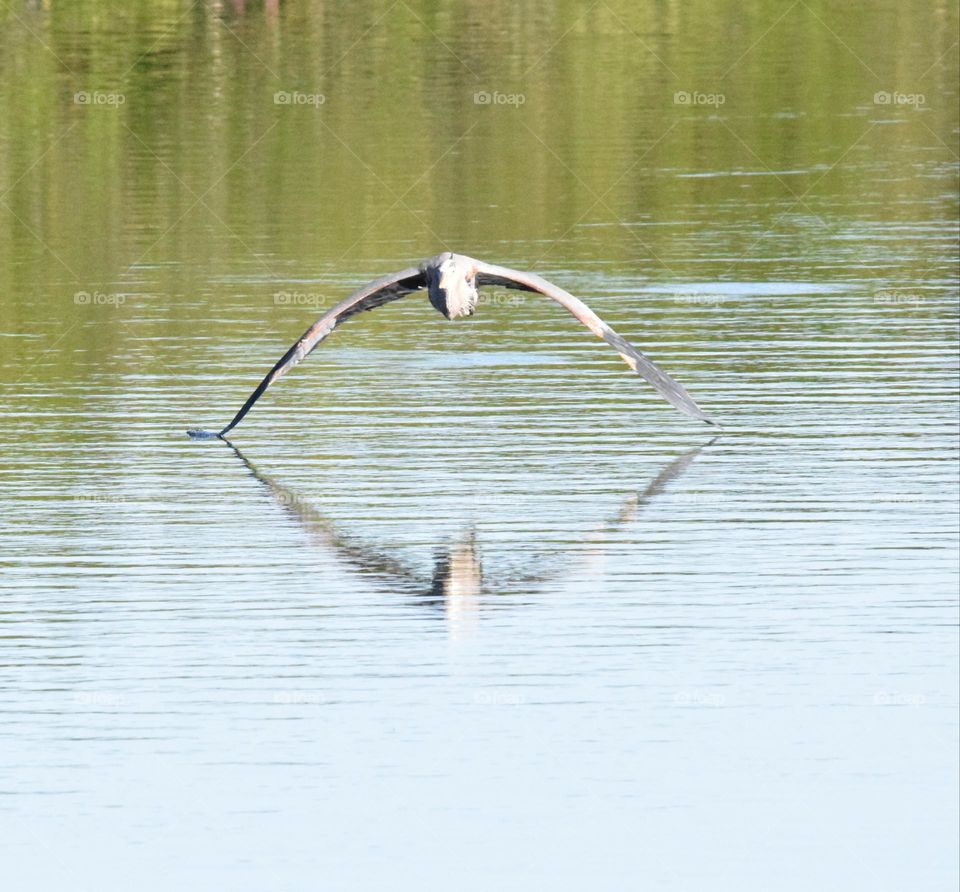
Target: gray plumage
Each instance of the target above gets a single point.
(452, 282)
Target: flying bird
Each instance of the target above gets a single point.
(452, 282)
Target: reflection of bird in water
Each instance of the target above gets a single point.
(452, 282)
(457, 582)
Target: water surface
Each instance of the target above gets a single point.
(465, 604)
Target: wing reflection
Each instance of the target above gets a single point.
(457, 582)
(629, 509)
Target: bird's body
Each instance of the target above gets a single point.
(452, 282)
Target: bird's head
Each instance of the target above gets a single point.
(452, 285)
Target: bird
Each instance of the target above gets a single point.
(452, 282)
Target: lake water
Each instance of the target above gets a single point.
(466, 605)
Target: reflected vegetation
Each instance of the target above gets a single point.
(198, 191)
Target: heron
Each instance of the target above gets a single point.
(452, 282)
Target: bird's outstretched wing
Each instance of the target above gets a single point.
(375, 294)
(670, 390)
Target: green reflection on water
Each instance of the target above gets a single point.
(180, 187)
